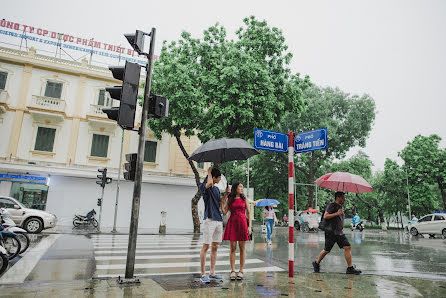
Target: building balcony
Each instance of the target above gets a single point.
(96, 111)
(47, 103)
(3, 96)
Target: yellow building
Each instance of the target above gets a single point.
(52, 126)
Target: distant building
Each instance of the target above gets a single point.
(54, 137)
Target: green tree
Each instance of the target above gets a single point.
(224, 88)
(348, 118)
(425, 164)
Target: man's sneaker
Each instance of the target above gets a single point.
(215, 277)
(353, 270)
(316, 267)
(204, 279)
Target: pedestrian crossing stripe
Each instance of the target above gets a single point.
(170, 265)
(148, 246)
(257, 269)
(102, 252)
(155, 257)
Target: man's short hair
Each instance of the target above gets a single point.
(339, 194)
(215, 173)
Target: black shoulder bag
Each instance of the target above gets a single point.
(326, 225)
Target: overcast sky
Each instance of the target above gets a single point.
(393, 50)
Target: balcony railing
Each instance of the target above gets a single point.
(48, 103)
(96, 110)
(3, 96)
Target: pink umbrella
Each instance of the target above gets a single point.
(345, 182)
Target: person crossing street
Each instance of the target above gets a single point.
(335, 216)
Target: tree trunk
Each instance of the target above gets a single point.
(311, 174)
(197, 196)
(443, 193)
(375, 204)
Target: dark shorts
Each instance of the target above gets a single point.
(331, 239)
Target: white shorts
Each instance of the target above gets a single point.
(212, 231)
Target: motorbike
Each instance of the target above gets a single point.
(357, 226)
(86, 220)
(4, 261)
(9, 225)
(10, 243)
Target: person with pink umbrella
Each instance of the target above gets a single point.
(334, 215)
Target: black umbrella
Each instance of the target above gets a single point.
(223, 150)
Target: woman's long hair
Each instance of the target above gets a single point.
(233, 193)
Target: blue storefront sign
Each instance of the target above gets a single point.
(23, 178)
(311, 140)
(270, 140)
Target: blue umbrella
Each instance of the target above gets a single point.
(267, 202)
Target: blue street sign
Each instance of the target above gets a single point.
(311, 140)
(270, 140)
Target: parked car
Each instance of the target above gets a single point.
(32, 220)
(432, 224)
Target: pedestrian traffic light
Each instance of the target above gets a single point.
(99, 202)
(158, 106)
(102, 178)
(130, 166)
(127, 94)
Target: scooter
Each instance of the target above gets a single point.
(10, 243)
(10, 226)
(357, 226)
(4, 261)
(85, 220)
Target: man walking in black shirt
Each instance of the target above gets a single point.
(335, 217)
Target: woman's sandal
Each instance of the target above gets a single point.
(240, 275)
(232, 276)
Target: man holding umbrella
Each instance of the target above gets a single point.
(335, 215)
(213, 222)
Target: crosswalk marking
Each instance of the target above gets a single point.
(152, 251)
(159, 255)
(147, 246)
(257, 269)
(156, 257)
(170, 265)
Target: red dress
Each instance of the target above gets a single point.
(237, 226)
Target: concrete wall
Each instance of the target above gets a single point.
(68, 196)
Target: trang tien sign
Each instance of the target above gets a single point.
(311, 140)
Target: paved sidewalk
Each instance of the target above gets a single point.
(274, 284)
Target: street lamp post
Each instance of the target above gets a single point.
(408, 195)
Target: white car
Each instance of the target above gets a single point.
(32, 220)
(432, 224)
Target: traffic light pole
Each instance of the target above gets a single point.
(117, 184)
(130, 263)
(100, 209)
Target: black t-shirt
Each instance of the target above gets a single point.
(338, 221)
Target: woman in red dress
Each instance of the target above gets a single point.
(238, 227)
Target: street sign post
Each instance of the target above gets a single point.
(311, 140)
(280, 142)
(270, 140)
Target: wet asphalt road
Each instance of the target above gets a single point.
(375, 252)
(75, 257)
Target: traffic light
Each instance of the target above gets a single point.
(158, 106)
(127, 94)
(136, 40)
(99, 202)
(102, 178)
(130, 166)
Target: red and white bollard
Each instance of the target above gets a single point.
(291, 204)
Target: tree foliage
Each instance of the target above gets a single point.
(425, 163)
(348, 118)
(225, 88)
